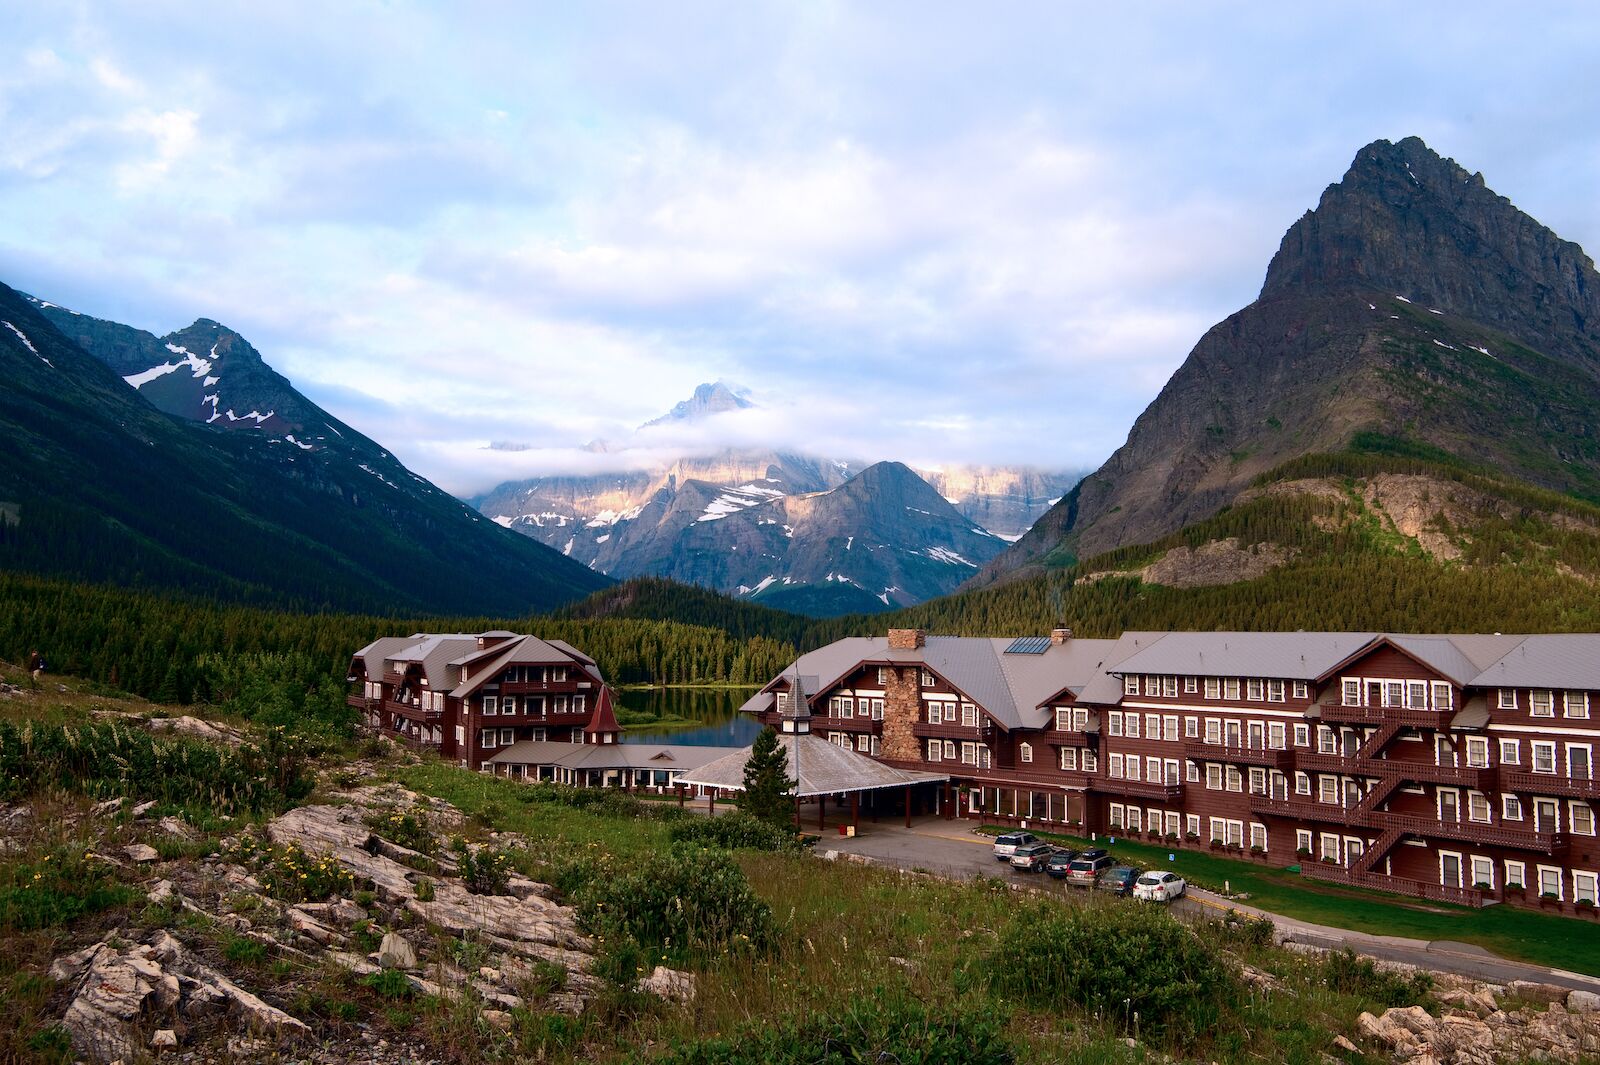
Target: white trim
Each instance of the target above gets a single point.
(1215, 708)
(1547, 730)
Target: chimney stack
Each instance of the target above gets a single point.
(1059, 636)
(907, 639)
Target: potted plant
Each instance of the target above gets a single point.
(1549, 899)
(1585, 907)
(1257, 851)
(1216, 843)
(1192, 837)
(1302, 852)
(1172, 837)
(1330, 861)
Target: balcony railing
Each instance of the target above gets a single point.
(1481, 778)
(1344, 764)
(1383, 715)
(848, 724)
(414, 711)
(1064, 737)
(1137, 789)
(969, 733)
(1549, 784)
(1305, 809)
(1501, 835)
(1417, 889)
(1271, 758)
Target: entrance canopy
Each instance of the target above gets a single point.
(822, 768)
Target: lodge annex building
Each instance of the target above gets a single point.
(1456, 767)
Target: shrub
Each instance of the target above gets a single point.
(734, 832)
(868, 1030)
(1345, 972)
(424, 889)
(389, 983)
(287, 872)
(55, 890)
(484, 871)
(1133, 965)
(680, 903)
(407, 828)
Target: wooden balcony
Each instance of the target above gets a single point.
(540, 687)
(1386, 715)
(1416, 889)
(1136, 789)
(969, 733)
(1527, 783)
(1459, 776)
(1304, 809)
(412, 711)
(1237, 754)
(1501, 835)
(846, 724)
(1347, 765)
(1068, 738)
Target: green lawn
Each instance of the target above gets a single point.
(1513, 932)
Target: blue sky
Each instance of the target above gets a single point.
(943, 233)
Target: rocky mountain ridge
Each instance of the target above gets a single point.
(1413, 312)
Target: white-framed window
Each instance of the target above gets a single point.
(1483, 872)
(1193, 772)
(1580, 816)
(876, 742)
(1090, 761)
(1130, 685)
(1301, 690)
(1478, 752)
(1507, 699)
(783, 702)
(1191, 824)
(1152, 726)
(508, 736)
(1302, 783)
(1277, 738)
(935, 713)
(877, 709)
(1258, 780)
(1417, 694)
(883, 676)
(1191, 685)
(1255, 689)
(1026, 752)
(1350, 687)
(1550, 881)
(1258, 836)
(1213, 730)
(1394, 693)
(1327, 742)
(1213, 777)
(1583, 887)
(1069, 758)
(1114, 723)
(1169, 729)
(1302, 839)
(969, 754)
(1544, 757)
(1135, 766)
(1477, 807)
(1541, 703)
(1302, 735)
(1516, 874)
(1235, 779)
(461, 735)
(862, 743)
(1327, 789)
(1130, 726)
(491, 706)
(1063, 719)
(486, 738)
(1080, 718)
(1191, 728)
(949, 750)
(508, 706)
(1116, 767)
(1213, 688)
(1169, 687)
(1510, 808)
(969, 715)
(935, 749)
(1580, 761)
(1230, 688)
(1510, 752)
(1275, 691)
(1546, 815)
(1450, 869)
(927, 679)
(1152, 684)
(1443, 695)
(1576, 704)
(1114, 813)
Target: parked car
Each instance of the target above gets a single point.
(1056, 864)
(1119, 880)
(1006, 845)
(1087, 867)
(1031, 857)
(1159, 886)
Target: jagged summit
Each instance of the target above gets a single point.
(716, 397)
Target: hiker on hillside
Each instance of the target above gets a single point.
(35, 667)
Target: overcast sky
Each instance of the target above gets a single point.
(939, 233)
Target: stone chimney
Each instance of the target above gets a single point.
(1060, 636)
(907, 639)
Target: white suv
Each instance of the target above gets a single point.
(1005, 846)
(1159, 886)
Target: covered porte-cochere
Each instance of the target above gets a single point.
(824, 770)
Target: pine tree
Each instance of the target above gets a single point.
(766, 781)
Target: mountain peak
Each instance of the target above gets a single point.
(716, 397)
(1407, 221)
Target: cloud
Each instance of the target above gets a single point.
(927, 232)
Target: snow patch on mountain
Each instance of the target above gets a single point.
(29, 344)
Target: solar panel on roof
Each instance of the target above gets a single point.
(1029, 645)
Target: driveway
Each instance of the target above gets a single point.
(951, 849)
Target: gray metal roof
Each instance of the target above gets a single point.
(525, 650)
(1558, 660)
(434, 651)
(1287, 655)
(674, 756)
(1474, 714)
(825, 769)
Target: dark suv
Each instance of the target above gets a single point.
(1056, 864)
(1119, 880)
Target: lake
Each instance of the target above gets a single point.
(717, 708)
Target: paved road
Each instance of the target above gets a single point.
(949, 849)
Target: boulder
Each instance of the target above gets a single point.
(142, 853)
(396, 952)
(669, 984)
(165, 1038)
(1582, 1002)
(162, 892)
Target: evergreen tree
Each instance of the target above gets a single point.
(766, 781)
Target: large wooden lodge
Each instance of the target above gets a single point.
(1456, 768)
